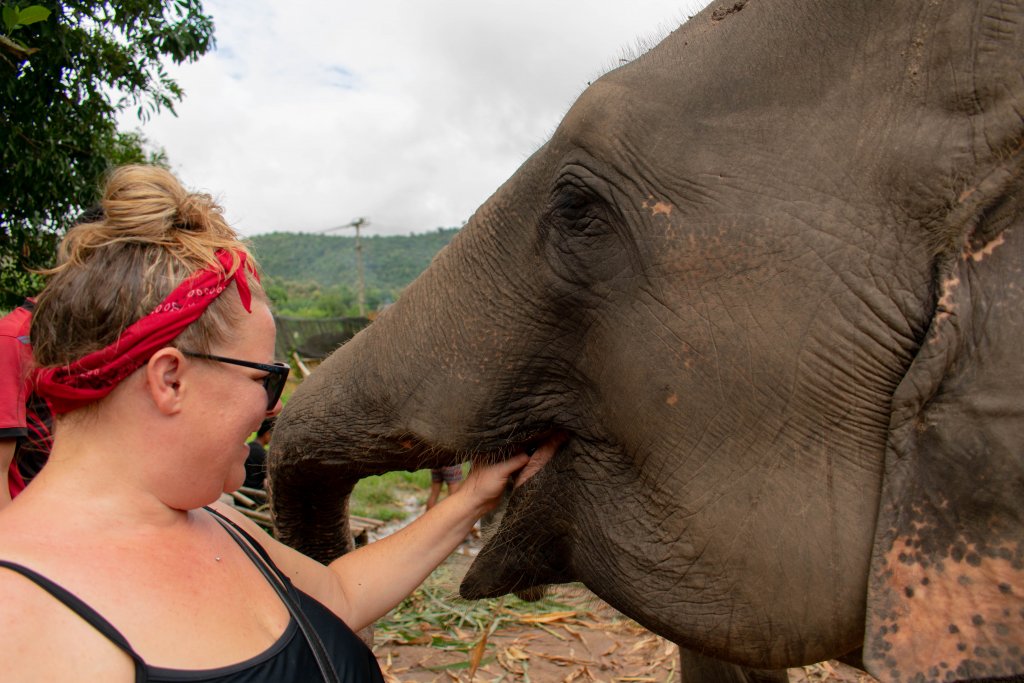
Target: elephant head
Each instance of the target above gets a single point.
(766, 279)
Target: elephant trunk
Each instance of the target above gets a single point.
(319, 453)
(333, 433)
(306, 495)
(409, 392)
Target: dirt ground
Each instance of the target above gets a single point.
(571, 636)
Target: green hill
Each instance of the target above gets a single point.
(315, 275)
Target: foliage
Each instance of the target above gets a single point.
(328, 269)
(433, 610)
(567, 635)
(66, 70)
(379, 496)
(16, 18)
(308, 299)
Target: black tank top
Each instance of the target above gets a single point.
(289, 659)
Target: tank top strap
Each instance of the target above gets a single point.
(282, 577)
(87, 613)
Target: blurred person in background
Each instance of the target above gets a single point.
(256, 463)
(25, 419)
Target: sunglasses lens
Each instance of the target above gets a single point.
(274, 386)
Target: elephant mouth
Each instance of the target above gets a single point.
(527, 545)
(428, 455)
(539, 456)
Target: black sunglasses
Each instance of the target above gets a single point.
(273, 383)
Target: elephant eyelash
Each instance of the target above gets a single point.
(575, 210)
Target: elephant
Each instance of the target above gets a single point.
(763, 281)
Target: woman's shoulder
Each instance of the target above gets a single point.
(27, 539)
(34, 624)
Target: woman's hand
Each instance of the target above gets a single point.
(373, 579)
(486, 483)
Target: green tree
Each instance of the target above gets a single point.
(67, 69)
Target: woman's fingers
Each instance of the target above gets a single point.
(508, 467)
(540, 457)
(488, 482)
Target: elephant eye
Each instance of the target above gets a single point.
(582, 232)
(576, 211)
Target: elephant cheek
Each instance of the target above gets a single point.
(531, 547)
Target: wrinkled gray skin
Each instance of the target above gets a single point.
(768, 279)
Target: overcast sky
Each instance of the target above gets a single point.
(409, 113)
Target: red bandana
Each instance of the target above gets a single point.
(95, 375)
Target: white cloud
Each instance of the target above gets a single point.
(408, 113)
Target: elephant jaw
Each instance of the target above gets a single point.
(529, 548)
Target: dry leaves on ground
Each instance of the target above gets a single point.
(569, 636)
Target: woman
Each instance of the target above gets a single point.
(155, 345)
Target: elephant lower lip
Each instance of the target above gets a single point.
(539, 456)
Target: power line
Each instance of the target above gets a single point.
(358, 224)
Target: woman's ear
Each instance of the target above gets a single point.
(164, 374)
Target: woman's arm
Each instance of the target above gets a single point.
(364, 585)
(378, 576)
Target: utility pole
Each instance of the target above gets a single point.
(358, 223)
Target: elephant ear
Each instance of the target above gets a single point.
(946, 588)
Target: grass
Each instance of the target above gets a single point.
(381, 497)
(435, 614)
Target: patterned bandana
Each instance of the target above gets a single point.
(95, 375)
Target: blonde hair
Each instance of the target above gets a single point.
(115, 269)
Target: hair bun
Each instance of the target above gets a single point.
(148, 206)
(121, 263)
(143, 202)
(197, 212)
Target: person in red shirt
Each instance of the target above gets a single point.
(25, 418)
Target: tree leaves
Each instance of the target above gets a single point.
(31, 15)
(16, 18)
(74, 65)
(314, 275)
